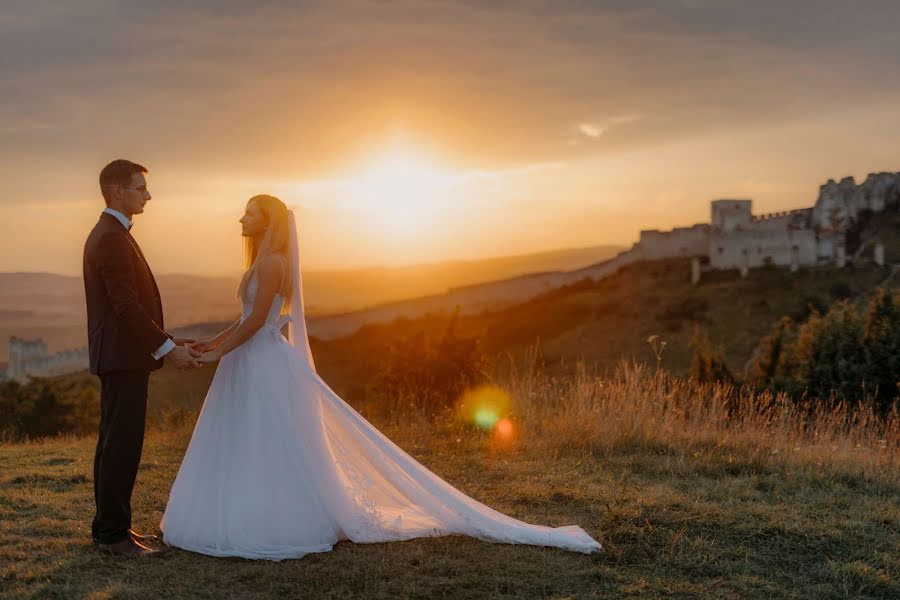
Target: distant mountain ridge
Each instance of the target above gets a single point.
(51, 306)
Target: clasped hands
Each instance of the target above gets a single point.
(188, 353)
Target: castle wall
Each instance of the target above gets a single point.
(30, 358)
(758, 247)
(780, 221)
(681, 242)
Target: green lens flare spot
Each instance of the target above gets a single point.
(485, 418)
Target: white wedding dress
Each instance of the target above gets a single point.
(279, 466)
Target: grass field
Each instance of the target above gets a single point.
(687, 502)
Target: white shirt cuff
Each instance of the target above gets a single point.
(164, 349)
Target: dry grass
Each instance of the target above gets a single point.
(637, 408)
(687, 502)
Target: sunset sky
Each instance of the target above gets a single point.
(408, 132)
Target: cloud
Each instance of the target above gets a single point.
(595, 130)
(281, 89)
(591, 131)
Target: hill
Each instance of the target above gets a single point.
(340, 291)
(51, 307)
(602, 323)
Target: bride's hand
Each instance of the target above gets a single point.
(210, 356)
(204, 346)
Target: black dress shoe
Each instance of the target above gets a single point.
(148, 538)
(127, 548)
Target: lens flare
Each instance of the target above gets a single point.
(504, 429)
(485, 406)
(485, 418)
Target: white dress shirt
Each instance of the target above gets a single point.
(168, 345)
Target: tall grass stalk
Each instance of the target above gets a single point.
(639, 408)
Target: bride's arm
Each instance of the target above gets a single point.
(213, 343)
(269, 278)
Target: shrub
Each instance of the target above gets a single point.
(840, 290)
(707, 363)
(427, 374)
(42, 408)
(775, 364)
(830, 353)
(837, 355)
(808, 305)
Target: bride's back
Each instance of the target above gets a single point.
(279, 299)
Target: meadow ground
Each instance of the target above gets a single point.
(687, 501)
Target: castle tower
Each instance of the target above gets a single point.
(21, 353)
(728, 215)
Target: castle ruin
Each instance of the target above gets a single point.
(735, 238)
(29, 358)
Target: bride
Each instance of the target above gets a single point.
(279, 466)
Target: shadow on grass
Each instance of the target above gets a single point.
(651, 553)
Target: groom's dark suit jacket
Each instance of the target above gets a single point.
(125, 317)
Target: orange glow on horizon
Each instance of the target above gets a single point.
(400, 193)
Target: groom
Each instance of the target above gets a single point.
(126, 340)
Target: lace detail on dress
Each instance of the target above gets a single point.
(372, 524)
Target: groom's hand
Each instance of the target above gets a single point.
(184, 341)
(184, 358)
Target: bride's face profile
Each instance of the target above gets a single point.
(253, 223)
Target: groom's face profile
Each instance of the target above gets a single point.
(134, 196)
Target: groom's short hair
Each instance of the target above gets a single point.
(118, 172)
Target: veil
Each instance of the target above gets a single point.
(297, 333)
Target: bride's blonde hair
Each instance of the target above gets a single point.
(274, 241)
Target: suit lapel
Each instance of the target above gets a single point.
(114, 222)
(137, 248)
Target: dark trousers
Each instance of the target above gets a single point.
(123, 407)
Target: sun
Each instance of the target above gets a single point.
(400, 192)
